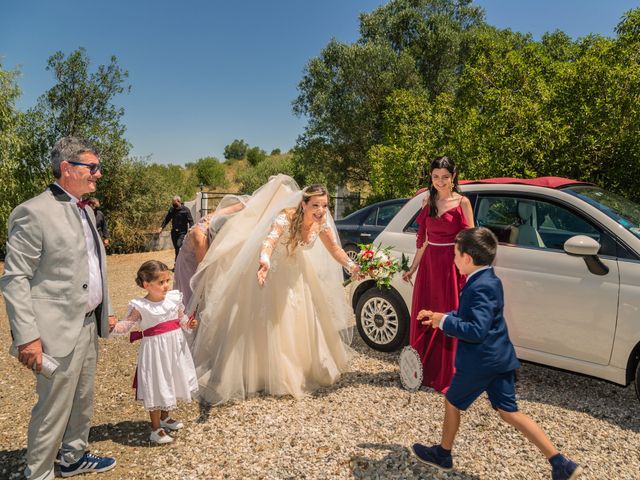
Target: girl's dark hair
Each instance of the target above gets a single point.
(450, 165)
(479, 243)
(149, 271)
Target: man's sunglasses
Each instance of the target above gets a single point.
(93, 167)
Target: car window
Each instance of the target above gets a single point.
(371, 218)
(386, 213)
(412, 226)
(532, 223)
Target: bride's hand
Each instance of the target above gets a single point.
(356, 273)
(262, 272)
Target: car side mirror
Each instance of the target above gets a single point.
(587, 248)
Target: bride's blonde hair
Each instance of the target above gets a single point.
(295, 220)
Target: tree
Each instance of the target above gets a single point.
(11, 145)
(413, 137)
(210, 172)
(80, 104)
(252, 178)
(343, 94)
(275, 151)
(412, 45)
(437, 34)
(255, 155)
(236, 150)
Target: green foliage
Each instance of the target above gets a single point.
(436, 34)
(253, 177)
(175, 179)
(236, 150)
(256, 155)
(430, 77)
(275, 151)
(210, 172)
(11, 145)
(412, 126)
(343, 93)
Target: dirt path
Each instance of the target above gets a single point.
(360, 427)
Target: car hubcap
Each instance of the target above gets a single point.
(379, 320)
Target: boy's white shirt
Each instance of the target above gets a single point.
(468, 277)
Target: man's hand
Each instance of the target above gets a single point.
(433, 319)
(112, 322)
(30, 354)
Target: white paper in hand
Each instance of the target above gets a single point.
(49, 364)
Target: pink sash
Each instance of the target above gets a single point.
(158, 329)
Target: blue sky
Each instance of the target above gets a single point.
(206, 72)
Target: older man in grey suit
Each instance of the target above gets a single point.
(55, 289)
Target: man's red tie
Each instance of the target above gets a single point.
(82, 203)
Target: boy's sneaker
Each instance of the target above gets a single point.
(88, 463)
(171, 424)
(564, 469)
(160, 436)
(434, 456)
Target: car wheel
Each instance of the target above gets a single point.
(382, 320)
(352, 252)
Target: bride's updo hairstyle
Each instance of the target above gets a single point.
(149, 271)
(295, 225)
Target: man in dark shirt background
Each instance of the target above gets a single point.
(101, 222)
(181, 219)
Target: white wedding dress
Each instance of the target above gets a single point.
(288, 337)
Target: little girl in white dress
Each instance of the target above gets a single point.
(165, 371)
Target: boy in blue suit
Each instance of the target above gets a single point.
(485, 358)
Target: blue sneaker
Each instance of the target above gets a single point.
(433, 456)
(88, 463)
(564, 469)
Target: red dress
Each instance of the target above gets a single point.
(437, 288)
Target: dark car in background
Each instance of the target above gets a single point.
(364, 225)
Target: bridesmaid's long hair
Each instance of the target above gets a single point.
(295, 225)
(450, 165)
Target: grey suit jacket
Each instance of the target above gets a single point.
(46, 273)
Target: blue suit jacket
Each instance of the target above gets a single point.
(484, 347)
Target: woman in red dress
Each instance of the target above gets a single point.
(445, 211)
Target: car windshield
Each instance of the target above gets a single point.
(620, 209)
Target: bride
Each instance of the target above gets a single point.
(286, 329)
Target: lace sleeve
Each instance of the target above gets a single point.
(277, 229)
(333, 247)
(184, 320)
(123, 326)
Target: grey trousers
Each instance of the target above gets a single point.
(62, 414)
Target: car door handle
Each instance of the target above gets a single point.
(365, 234)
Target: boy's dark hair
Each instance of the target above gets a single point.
(149, 271)
(479, 243)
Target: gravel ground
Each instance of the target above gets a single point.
(359, 428)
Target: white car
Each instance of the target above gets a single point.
(571, 277)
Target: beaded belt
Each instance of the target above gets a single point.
(441, 244)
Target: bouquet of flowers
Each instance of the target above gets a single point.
(378, 264)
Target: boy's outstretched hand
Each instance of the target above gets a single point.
(427, 317)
